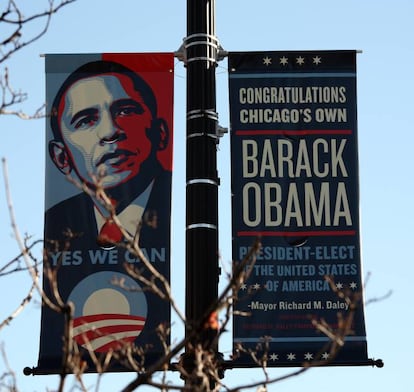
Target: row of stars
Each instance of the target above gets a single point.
(292, 356)
(258, 286)
(300, 60)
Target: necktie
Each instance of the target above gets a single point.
(109, 235)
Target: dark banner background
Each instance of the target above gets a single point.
(295, 187)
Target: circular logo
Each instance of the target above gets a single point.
(110, 311)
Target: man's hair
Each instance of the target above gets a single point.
(96, 68)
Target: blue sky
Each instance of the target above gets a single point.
(381, 29)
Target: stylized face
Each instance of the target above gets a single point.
(104, 124)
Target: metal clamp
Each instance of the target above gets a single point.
(201, 226)
(202, 181)
(214, 50)
(200, 113)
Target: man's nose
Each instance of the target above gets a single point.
(108, 131)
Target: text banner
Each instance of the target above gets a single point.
(295, 188)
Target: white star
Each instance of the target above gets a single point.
(256, 286)
(291, 356)
(267, 60)
(283, 60)
(274, 357)
(339, 286)
(353, 285)
(325, 355)
(308, 356)
(300, 60)
(316, 60)
(243, 286)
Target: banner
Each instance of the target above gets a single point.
(295, 188)
(109, 128)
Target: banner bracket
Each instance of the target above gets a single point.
(219, 53)
(378, 363)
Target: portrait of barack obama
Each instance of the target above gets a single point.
(105, 127)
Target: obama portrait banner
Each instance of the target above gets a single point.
(295, 189)
(108, 180)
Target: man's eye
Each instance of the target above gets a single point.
(85, 122)
(129, 110)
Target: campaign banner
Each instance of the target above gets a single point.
(295, 189)
(109, 129)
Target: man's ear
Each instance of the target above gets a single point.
(59, 156)
(160, 128)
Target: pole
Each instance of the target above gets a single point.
(202, 269)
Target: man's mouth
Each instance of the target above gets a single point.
(115, 158)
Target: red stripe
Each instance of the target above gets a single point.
(91, 335)
(115, 345)
(295, 233)
(294, 132)
(104, 316)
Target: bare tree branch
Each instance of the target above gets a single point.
(17, 34)
(8, 379)
(17, 38)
